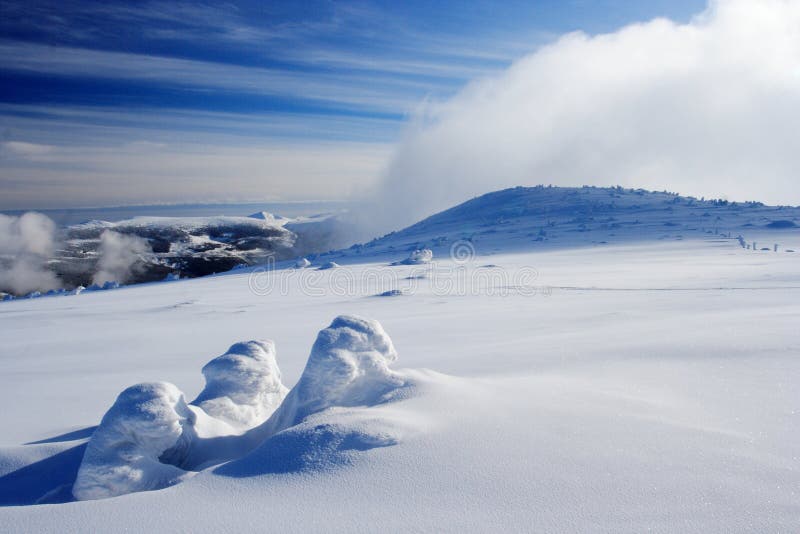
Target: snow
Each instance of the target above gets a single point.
(645, 384)
(151, 439)
(270, 217)
(328, 265)
(302, 263)
(243, 386)
(148, 429)
(417, 257)
(348, 366)
(188, 224)
(392, 293)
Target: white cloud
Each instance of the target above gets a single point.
(25, 244)
(23, 149)
(375, 91)
(149, 172)
(119, 255)
(707, 108)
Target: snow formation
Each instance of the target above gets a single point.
(328, 265)
(139, 442)
(243, 386)
(651, 390)
(418, 257)
(348, 366)
(151, 438)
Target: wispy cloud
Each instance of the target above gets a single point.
(285, 99)
(24, 149)
(154, 172)
(70, 125)
(356, 91)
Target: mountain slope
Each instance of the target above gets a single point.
(541, 218)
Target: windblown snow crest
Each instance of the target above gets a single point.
(243, 386)
(149, 428)
(151, 438)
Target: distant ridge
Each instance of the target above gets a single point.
(522, 218)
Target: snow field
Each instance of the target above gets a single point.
(652, 389)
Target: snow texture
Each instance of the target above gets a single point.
(393, 292)
(151, 439)
(418, 257)
(243, 386)
(652, 389)
(139, 442)
(328, 265)
(348, 366)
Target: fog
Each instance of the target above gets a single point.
(26, 243)
(119, 255)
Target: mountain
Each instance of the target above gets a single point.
(545, 218)
(187, 247)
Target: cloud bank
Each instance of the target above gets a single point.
(45, 176)
(26, 242)
(705, 108)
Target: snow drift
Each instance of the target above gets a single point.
(243, 386)
(138, 444)
(151, 438)
(348, 366)
(417, 257)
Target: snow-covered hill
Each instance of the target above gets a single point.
(544, 218)
(631, 368)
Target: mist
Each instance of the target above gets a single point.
(26, 243)
(120, 255)
(706, 108)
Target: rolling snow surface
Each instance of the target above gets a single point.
(595, 380)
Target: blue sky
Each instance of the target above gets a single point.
(132, 102)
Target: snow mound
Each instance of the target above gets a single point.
(348, 366)
(321, 442)
(269, 217)
(139, 442)
(417, 257)
(151, 438)
(329, 265)
(782, 224)
(302, 263)
(391, 293)
(243, 386)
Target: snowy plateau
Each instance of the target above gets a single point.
(547, 360)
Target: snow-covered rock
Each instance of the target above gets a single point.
(243, 386)
(138, 445)
(391, 293)
(328, 265)
(417, 257)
